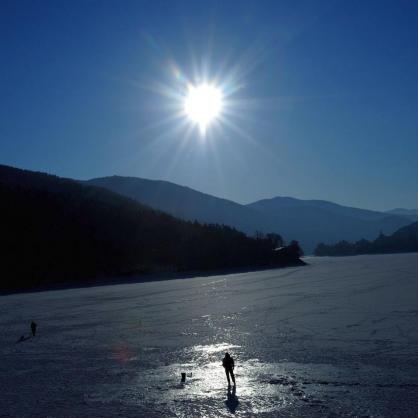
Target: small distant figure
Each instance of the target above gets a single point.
(33, 327)
(228, 364)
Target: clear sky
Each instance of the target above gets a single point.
(322, 96)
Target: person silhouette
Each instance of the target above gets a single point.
(229, 365)
(33, 326)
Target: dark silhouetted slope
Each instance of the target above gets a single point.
(59, 230)
(403, 240)
(187, 203)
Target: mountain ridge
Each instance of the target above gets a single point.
(324, 204)
(185, 202)
(307, 221)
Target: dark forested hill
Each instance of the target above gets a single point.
(186, 203)
(403, 240)
(55, 229)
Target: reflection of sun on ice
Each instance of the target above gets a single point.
(214, 348)
(203, 104)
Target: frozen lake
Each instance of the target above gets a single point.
(336, 338)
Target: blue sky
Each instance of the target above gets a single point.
(323, 104)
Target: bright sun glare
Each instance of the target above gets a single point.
(203, 104)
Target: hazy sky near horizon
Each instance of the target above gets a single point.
(322, 95)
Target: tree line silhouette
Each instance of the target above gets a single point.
(403, 240)
(59, 230)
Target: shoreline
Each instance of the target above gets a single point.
(146, 278)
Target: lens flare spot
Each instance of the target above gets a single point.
(123, 353)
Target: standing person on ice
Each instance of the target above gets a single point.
(228, 364)
(33, 326)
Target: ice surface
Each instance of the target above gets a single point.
(336, 338)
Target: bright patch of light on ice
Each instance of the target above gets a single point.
(205, 389)
(214, 348)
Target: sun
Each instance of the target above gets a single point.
(203, 104)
